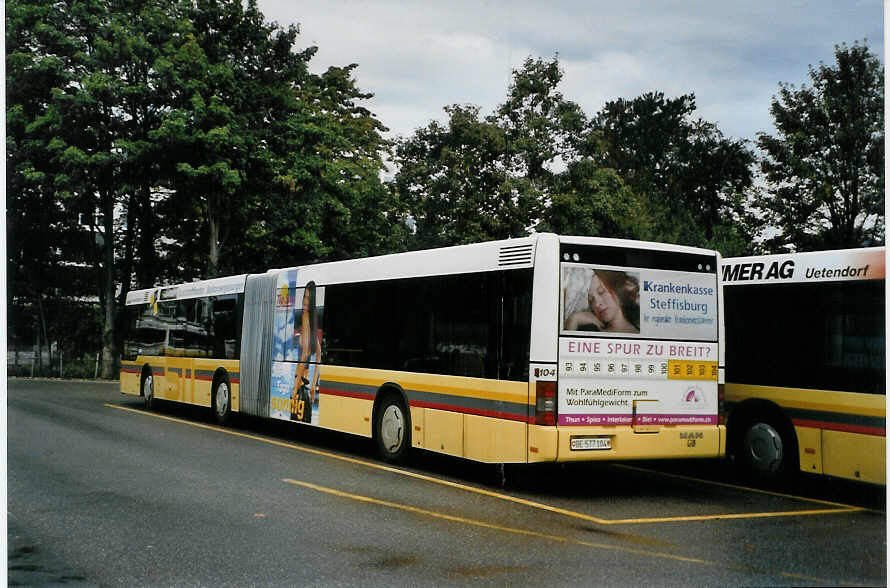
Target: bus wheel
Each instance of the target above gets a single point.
(392, 429)
(148, 391)
(765, 453)
(222, 400)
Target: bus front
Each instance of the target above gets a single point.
(633, 361)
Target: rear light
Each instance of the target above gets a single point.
(545, 403)
(721, 404)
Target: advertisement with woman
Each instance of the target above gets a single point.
(638, 302)
(296, 350)
(610, 301)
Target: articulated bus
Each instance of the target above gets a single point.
(805, 364)
(537, 349)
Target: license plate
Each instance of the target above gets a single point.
(590, 443)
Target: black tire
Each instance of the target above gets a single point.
(392, 429)
(766, 453)
(221, 400)
(148, 390)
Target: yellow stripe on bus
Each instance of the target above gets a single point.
(487, 389)
(872, 405)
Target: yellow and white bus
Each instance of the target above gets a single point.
(805, 364)
(544, 348)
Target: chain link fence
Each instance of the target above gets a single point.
(59, 338)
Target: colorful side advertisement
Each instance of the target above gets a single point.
(296, 350)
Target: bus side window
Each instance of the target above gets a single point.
(166, 321)
(855, 341)
(359, 325)
(224, 339)
(449, 325)
(516, 325)
(839, 350)
(145, 333)
(444, 324)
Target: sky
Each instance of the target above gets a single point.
(417, 57)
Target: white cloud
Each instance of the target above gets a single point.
(417, 57)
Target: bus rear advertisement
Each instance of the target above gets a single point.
(649, 367)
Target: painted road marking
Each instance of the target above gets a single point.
(737, 487)
(536, 534)
(493, 526)
(839, 508)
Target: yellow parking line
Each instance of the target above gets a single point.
(737, 487)
(495, 527)
(373, 465)
(507, 497)
(741, 515)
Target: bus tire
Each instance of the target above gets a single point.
(392, 428)
(767, 452)
(221, 399)
(148, 389)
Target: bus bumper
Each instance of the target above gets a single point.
(612, 444)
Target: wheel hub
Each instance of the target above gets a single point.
(763, 447)
(392, 428)
(222, 398)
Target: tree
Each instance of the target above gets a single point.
(594, 201)
(540, 125)
(328, 200)
(71, 134)
(360, 215)
(453, 180)
(183, 133)
(270, 164)
(695, 180)
(825, 166)
(206, 133)
(33, 212)
(474, 178)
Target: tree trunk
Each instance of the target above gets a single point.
(129, 247)
(126, 270)
(213, 245)
(38, 352)
(110, 301)
(145, 268)
(41, 330)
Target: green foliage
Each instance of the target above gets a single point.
(825, 167)
(198, 135)
(540, 125)
(454, 181)
(642, 169)
(594, 201)
(696, 181)
(42, 195)
(269, 165)
(476, 179)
